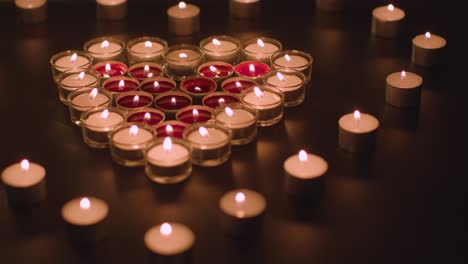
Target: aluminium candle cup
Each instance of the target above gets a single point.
(357, 136)
(105, 49)
(221, 48)
(158, 85)
(84, 100)
(186, 114)
(65, 61)
(24, 186)
(119, 84)
(32, 12)
(150, 116)
(182, 61)
(168, 165)
(241, 121)
(111, 11)
(291, 82)
(133, 100)
(145, 70)
(177, 129)
(210, 144)
(427, 52)
(403, 92)
(146, 49)
(220, 99)
(68, 82)
(216, 70)
(386, 21)
(244, 9)
(183, 19)
(270, 105)
(304, 178)
(171, 102)
(296, 60)
(236, 85)
(108, 69)
(198, 87)
(330, 5)
(97, 123)
(252, 51)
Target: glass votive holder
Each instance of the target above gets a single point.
(236, 85)
(105, 49)
(260, 49)
(118, 85)
(171, 102)
(145, 70)
(194, 114)
(145, 49)
(97, 123)
(133, 100)
(221, 48)
(291, 82)
(149, 116)
(269, 103)
(70, 61)
(107, 69)
(158, 85)
(293, 59)
(171, 128)
(218, 71)
(220, 99)
(210, 144)
(68, 82)
(252, 69)
(168, 160)
(84, 100)
(198, 87)
(182, 61)
(128, 143)
(241, 120)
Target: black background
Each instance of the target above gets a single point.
(403, 204)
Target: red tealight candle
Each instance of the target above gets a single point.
(149, 116)
(158, 85)
(252, 69)
(133, 100)
(171, 129)
(171, 102)
(145, 70)
(194, 114)
(198, 86)
(108, 69)
(219, 99)
(216, 70)
(237, 85)
(120, 84)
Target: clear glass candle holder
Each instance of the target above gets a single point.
(210, 144)
(220, 99)
(240, 120)
(105, 49)
(216, 70)
(168, 160)
(236, 85)
(118, 85)
(109, 69)
(260, 49)
(291, 82)
(70, 61)
(97, 123)
(133, 100)
(84, 100)
(70, 81)
(145, 70)
(171, 102)
(194, 114)
(158, 85)
(221, 48)
(150, 116)
(269, 103)
(171, 128)
(198, 87)
(293, 59)
(128, 143)
(182, 61)
(146, 49)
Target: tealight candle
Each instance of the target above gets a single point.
(357, 132)
(150, 116)
(111, 9)
(130, 101)
(427, 49)
(96, 124)
(184, 19)
(221, 48)
(85, 218)
(198, 87)
(182, 60)
(171, 128)
(171, 102)
(107, 69)
(220, 99)
(210, 144)
(304, 174)
(386, 21)
(404, 89)
(128, 142)
(24, 183)
(105, 49)
(145, 70)
(252, 69)
(32, 11)
(260, 49)
(244, 8)
(158, 85)
(293, 59)
(267, 101)
(69, 82)
(290, 82)
(237, 85)
(330, 5)
(170, 242)
(242, 212)
(118, 85)
(168, 161)
(194, 114)
(145, 49)
(241, 120)
(70, 61)
(216, 70)
(83, 100)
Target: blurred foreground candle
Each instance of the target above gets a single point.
(111, 9)
(290, 82)
(293, 59)
(168, 161)
(242, 212)
(241, 120)
(171, 102)
(304, 173)
(386, 21)
(194, 114)
(171, 128)
(427, 49)
(105, 49)
(210, 144)
(221, 48)
(357, 132)
(97, 123)
(260, 49)
(70, 61)
(182, 60)
(145, 49)
(404, 89)
(24, 183)
(330, 5)
(85, 219)
(86, 99)
(170, 243)
(244, 8)
(69, 82)
(32, 11)
(267, 101)
(184, 19)
(128, 142)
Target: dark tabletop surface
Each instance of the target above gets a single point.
(403, 204)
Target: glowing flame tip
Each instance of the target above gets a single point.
(167, 144)
(357, 115)
(134, 130)
(148, 44)
(105, 44)
(203, 131)
(216, 42)
(261, 43)
(390, 7)
(25, 165)
(85, 203)
(105, 114)
(240, 197)
(303, 155)
(166, 229)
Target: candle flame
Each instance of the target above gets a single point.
(183, 55)
(303, 155)
(105, 44)
(213, 69)
(147, 116)
(357, 115)
(258, 92)
(403, 75)
(195, 114)
(108, 67)
(167, 144)
(203, 131)
(136, 99)
(238, 84)
(169, 130)
(229, 111)
(166, 229)
(81, 76)
(287, 58)
(25, 165)
(260, 43)
(280, 76)
(173, 101)
(105, 114)
(252, 68)
(216, 42)
(428, 35)
(121, 84)
(73, 57)
(198, 89)
(146, 68)
(85, 203)
(156, 84)
(221, 101)
(134, 130)
(390, 7)
(182, 5)
(93, 94)
(148, 44)
(240, 197)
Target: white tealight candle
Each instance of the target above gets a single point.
(357, 132)
(386, 21)
(85, 218)
(184, 19)
(97, 123)
(244, 8)
(293, 59)
(70, 61)
(241, 120)
(84, 100)
(242, 212)
(261, 49)
(290, 82)
(145, 49)
(267, 101)
(128, 142)
(221, 48)
(105, 49)
(210, 144)
(69, 82)
(427, 49)
(25, 183)
(404, 89)
(170, 242)
(182, 60)
(304, 173)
